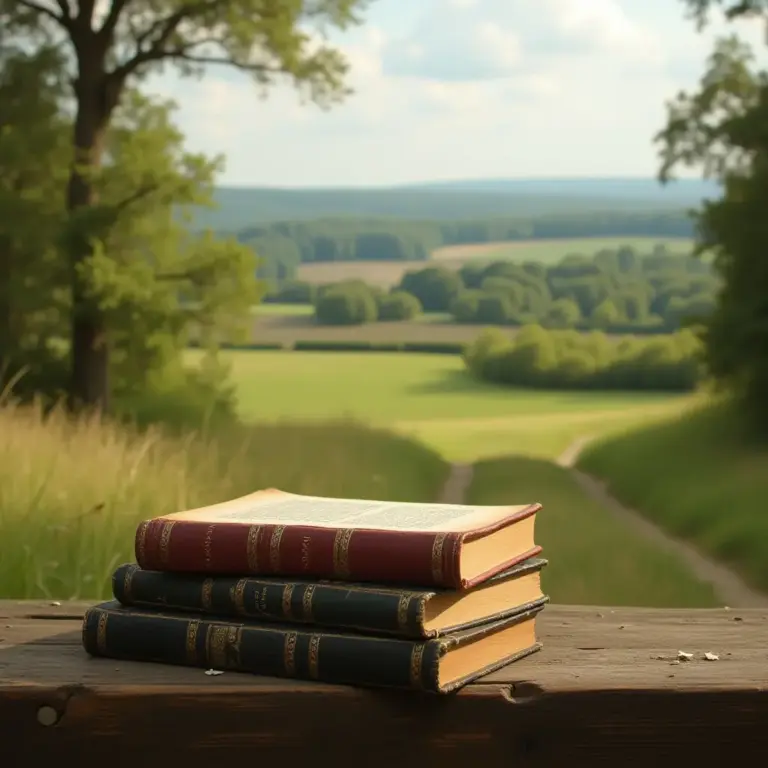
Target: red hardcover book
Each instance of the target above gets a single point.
(283, 534)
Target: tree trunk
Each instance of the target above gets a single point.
(90, 349)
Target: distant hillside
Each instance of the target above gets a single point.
(244, 207)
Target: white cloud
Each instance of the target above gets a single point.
(465, 88)
(480, 39)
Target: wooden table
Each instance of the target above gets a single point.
(607, 689)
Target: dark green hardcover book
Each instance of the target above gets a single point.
(115, 631)
(392, 610)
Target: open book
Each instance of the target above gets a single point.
(276, 533)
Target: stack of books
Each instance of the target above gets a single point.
(369, 593)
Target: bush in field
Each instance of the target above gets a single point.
(293, 292)
(435, 287)
(538, 357)
(398, 305)
(346, 305)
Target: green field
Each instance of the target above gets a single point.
(430, 397)
(389, 273)
(551, 251)
(699, 476)
(593, 558)
(282, 310)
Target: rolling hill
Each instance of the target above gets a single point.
(241, 207)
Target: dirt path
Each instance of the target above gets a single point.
(456, 486)
(728, 586)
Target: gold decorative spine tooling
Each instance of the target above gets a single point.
(341, 552)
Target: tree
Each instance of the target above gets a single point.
(721, 129)
(34, 157)
(398, 305)
(152, 280)
(563, 313)
(605, 314)
(346, 305)
(127, 41)
(436, 288)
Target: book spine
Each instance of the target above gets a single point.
(345, 607)
(347, 554)
(262, 650)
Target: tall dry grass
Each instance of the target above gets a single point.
(73, 490)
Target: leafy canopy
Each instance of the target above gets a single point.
(722, 129)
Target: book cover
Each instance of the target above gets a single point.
(405, 612)
(273, 533)
(437, 666)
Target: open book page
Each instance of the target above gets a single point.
(277, 508)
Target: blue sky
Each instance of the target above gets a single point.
(449, 89)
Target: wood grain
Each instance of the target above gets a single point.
(606, 689)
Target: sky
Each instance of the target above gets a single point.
(463, 89)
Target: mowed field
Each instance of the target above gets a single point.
(432, 398)
(388, 273)
(594, 558)
(286, 324)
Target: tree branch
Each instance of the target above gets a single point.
(85, 16)
(66, 11)
(158, 34)
(113, 16)
(62, 21)
(134, 197)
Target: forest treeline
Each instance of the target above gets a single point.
(283, 246)
(618, 290)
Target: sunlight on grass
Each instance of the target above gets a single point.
(73, 491)
(382, 388)
(700, 477)
(593, 558)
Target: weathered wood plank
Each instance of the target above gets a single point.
(605, 689)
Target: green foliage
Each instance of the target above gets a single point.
(73, 491)
(293, 292)
(398, 305)
(283, 245)
(346, 305)
(537, 357)
(436, 288)
(128, 172)
(347, 346)
(34, 156)
(182, 399)
(617, 291)
(700, 474)
(720, 128)
(151, 281)
(584, 541)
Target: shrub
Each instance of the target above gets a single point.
(398, 305)
(347, 346)
(294, 292)
(435, 287)
(564, 359)
(349, 305)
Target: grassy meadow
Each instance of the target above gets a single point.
(360, 425)
(551, 251)
(700, 477)
(388, 273)
(72, 492)
(432, 398)
(593, 558)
